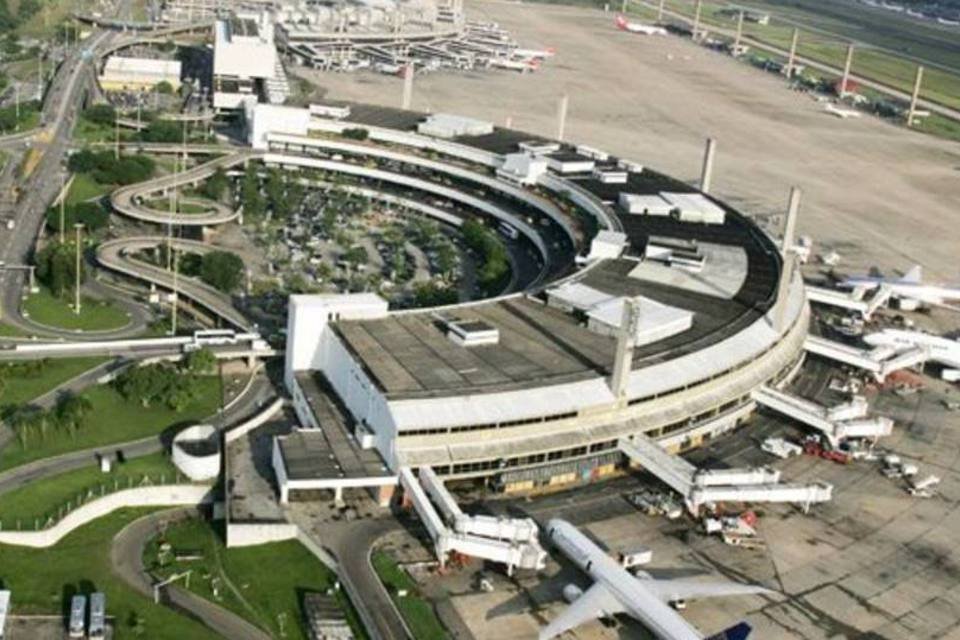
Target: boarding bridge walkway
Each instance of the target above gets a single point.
(699, 487)
(880, 361)
(513, 542)
(851, 301)
(846, 420)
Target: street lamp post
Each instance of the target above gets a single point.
(63, 198)
(76, 290)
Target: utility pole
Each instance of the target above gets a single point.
(176, 297)
(706, 171)
(76, 290)
(63, 198)
(660, 11)
(562, 116)
(16, 99)
(116, 146)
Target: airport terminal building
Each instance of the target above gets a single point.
(655, 310)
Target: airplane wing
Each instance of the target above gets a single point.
(596, 602)
(682, 589)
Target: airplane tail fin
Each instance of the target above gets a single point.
(914, 275)
(621, 22)
(739, 631)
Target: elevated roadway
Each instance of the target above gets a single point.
(117, 255)
(129, 201)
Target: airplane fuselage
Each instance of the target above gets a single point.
(928, 293)
(637, 601)
(942, 350)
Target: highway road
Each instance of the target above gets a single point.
(116, 256)
(128, 201)
(126, 562)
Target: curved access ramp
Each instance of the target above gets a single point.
(116, 255)
(129, 200)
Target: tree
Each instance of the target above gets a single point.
(162, 131)
(201, 361)
(357, 133)
(222, 270)
(215, 185)
(90, 214)
(355, 255)
(71, 411)
(102, 114)
(164, 88)
(57, 268)
(253, 204)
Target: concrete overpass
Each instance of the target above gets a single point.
(117, 255)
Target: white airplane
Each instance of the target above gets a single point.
(841, 112)
(908, 287)
(945, 351)
(534, 54)
(514, 65)
(639, 27)
(642, 597)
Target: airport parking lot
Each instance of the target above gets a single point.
(874, 192)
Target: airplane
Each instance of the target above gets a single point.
(534, 54)
(841, 113)
(909, 287)
(514, 65)
(639, 27)
(643, 597)
(945, 351)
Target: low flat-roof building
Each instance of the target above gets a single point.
(139, 74)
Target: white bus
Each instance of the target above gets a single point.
(98, 616)
(4, 606)
(78, 617)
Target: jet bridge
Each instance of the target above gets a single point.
(851, 301)
(881, 361)
(846, 420)
(703, 486)
(513, 542)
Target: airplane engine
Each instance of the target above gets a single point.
(571, 592)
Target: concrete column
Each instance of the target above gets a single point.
(793, 53)
(696, 19)
(915, 96)
(623, 358)
(846, 70)
(789, 260)
(706, 172)
(623, 6)
(508, 123)
(562, 116)
(660, 11)
(338, 495)
(738, 36)
(407, 86)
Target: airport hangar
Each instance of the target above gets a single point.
(662, 324)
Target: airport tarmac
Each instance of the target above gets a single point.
(873, 563)
(876, 193)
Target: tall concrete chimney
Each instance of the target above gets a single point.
(915, 96)
(789, 260)
(407, 86)
(793, 53)
(706, 172)
(626, 340)
(846, 70)
(562, 116)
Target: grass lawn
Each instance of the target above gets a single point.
(114, 420)
(34, 503)
(95, 315)
(10, 331)
(21, 386)
(416, 611)
(84, 188)
(263, 597)
(44, 580)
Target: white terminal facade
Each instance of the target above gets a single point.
(660, 325)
